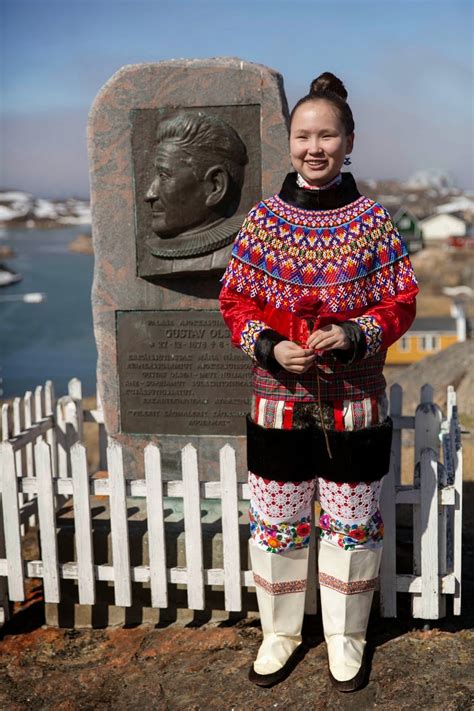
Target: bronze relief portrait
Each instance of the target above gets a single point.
(196, 188)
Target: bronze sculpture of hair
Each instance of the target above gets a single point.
(207, 140)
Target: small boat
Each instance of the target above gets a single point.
(8, 276)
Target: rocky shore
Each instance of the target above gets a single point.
(6, 252)
(82, 244)
(21, 209)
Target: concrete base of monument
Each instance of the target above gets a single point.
(104, 613)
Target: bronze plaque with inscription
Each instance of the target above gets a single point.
(179, 374)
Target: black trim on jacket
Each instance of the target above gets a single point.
(358, 345)
(266, 340)
(330, 199)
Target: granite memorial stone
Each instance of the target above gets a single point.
(179, 152)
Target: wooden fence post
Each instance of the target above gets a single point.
(75, 392)
(18, 420)
(192, 528)
(29, 416)
(119, 527)
(445, 519)
(11, 522)
(230, 529)
(39, 413)
(457, 462)
(67, 432)
(61, 441)
(49, 409)
(430, 584)
(39, 403)
(428, 418)
(5, 422)
(4, 603)
(83, 525)
(73, 423)
(156, 527)
(47, 523)
(20, 455)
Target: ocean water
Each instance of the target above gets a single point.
(52, 340)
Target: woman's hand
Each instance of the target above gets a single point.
(292, 357)
(329, 337)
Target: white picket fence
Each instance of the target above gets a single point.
(43, 463)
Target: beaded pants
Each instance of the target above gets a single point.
(281, 512)
(351, 530)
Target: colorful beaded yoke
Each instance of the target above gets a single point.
(348, 258)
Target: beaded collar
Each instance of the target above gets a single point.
(340, 195)
(301, 182)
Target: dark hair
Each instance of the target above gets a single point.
(328, 87)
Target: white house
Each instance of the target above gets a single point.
(438, 228)
(460, 204)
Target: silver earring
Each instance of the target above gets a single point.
(347, 160)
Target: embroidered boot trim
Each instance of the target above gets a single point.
(282, 588)
(351, 587)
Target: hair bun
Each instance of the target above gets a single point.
(328, 82)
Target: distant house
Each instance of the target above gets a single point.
(428, 335)
(462, 203)
(409, 227)
(438, 228)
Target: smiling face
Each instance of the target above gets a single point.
(177, 198)
(318, 142)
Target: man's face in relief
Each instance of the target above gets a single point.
(177, 198)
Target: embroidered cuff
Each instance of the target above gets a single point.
(249, 335)
(263, 349)
(372, 332)
(358, 345)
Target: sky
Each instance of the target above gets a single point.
(407, 65)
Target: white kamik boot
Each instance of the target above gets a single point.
(347, 581)
(280, 581)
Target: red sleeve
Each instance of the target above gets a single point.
(385, 322)
(244, 318)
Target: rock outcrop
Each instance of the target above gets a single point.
(451, 366)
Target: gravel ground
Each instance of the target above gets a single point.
(205, 666)
(196, 667)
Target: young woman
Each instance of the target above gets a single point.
(319, 285)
